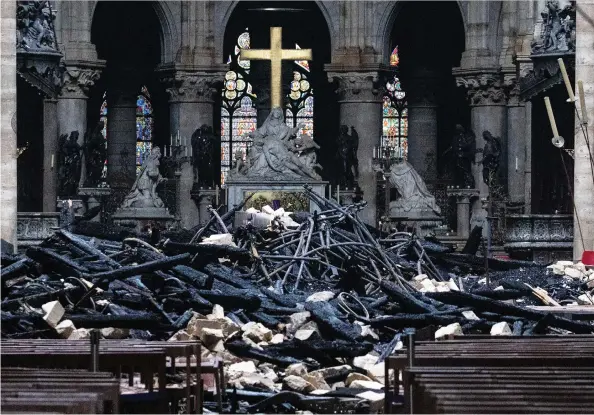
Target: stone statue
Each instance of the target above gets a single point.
(35, 25)
(415, 199)
(491, 156)
(239, 165)
(462, 151)
(348, 166)
(275, 155)
(69, 164)
(305, 148)
(559, 28)
(144, 190)
(95, 152)
(205, 147)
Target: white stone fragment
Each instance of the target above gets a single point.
(257, 332)
(376, 400)
(333, 371)
(427, 286)
(296, 369)
(65, 328)
(115, 333)
(298, 384)
(356, 376)
(363, 362)
(453, 329)
(252, 210)
(586, 299)
(366, 384)
(470, 315)
(317, 380)
(210, 337)
(53, 313)
(180, 335)
(277, 339)
(241, 368)
(80, 334)
(420, 277)
(501, 329)
(574, 273)
(320, 296)
(453, 286)
(564, 263)
(268, 210)
(220, 239)
(218, 312)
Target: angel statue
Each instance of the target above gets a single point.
(415, 199)
(144, 190)
(462, 152)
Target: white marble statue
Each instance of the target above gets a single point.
(276, 155)
(144, 190)
(415, 199)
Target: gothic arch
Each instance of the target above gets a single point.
(226, 8)
(386, 24)
(168, 33)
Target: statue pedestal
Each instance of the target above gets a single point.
(139, 218)
(463, 198)
(204, 197)
(422, 225)
(345, 196)
(93, 197)
(290, 193)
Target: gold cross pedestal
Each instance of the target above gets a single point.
(276, 54)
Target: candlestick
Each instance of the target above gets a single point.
(566, 80)
(217, 195)
(338, 194)
(551, 117)
(52, 165)
(171, 140)
(516, 164)
(583, 102)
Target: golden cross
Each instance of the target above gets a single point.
(276, 54)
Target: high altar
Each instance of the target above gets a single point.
(278, 163)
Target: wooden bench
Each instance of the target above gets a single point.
(134, 356)
(498, 390)
(32, 380)
(492, 352)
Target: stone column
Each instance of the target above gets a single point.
(72, 100)
(360, 101)
(517, 132)
(583, 178)
(121, 131)
(488, 112)
(8, 144)
(191, 104)
(50, 154)
(421, 88)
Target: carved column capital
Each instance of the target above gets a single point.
(512, 90)
(357, 86)
(77, 80)
(483, 88)
(192, 86)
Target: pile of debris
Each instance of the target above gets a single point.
(311, 304)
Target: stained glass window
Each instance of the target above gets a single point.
(395, 119)
(394, 58)
(144, 126)
(300, 102)
(238, 113)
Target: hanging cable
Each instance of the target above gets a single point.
(577, 218)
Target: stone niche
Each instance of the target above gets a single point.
(290, 193)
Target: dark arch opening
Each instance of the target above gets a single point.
(430, 36)
(304, 24)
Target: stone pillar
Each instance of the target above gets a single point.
(583, 179)
(8, 144)
(517, 132)
(121, 135)
(360, 103)
(191, 104)
(72, 101)
(488, 112)
(422, 102)
(50, 154)
(528, 162)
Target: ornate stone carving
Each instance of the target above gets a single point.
(32, 228)
(346, 156)
(415, 201)
(78, 80)
(35, 26)
(276, 155)
(557, 32)
(192, 86)
(205, 147)
(483, 89)
(512, 89)
(144, 190)
(356, 86)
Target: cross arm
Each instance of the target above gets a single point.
(255, 54)
(296, 54)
